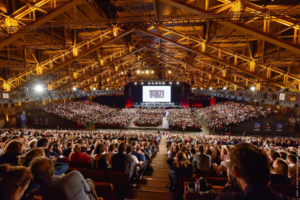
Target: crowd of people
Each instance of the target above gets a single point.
(148, 120)
(221, 116)
(118, 119)
(82, 112)
(182, 119)
(33, 162)
(264, 160)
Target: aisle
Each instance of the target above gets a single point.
(153, 185)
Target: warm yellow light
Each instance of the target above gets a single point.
(147, 72)
(138, 71)
(75, 51)
(169, 72)
(115, 31)
(7, 119)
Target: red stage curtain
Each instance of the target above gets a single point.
(212, 101)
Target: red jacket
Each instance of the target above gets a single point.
(81, 157)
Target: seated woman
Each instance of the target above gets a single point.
(182, 168)
(281, 173)
(77, 156)
(99, 157)
(14, 180)
(11, 152)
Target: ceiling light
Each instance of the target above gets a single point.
(135, 83)
(156, 83)
(106, 88)
(210, 88)
(94, 88)
(138, 71)
(170, 83)
(122, 72)
(163, 83)
(224, 88)
(147, 72)
(74, 88)
(152, 72)
(252, 88)
(169, 72)
(142, 72)
(177, 83)
(201, 88)
(149, 83)
(152, 83)
(142, 83)
(39, 88)
(159, 83)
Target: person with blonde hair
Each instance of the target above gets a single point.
(79, 156)
(14, 180)
(281, 173)
(11, 152)
(182, 167)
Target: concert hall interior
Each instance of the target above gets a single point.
(149, 99)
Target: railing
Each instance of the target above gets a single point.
(282, 98)
(15, 97)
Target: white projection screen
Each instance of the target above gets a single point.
(156, 93)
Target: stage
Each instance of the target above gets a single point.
(156, 105)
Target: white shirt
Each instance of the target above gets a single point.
(135, 160)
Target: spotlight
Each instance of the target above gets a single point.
(169, 72)
(159, 83)
(122, 72)
(142, 72)
(156, 83)
(94, 88)
(177, 83)
(149, 83)
(201, 88)
(210, 88)
(142, 83)
(163, 83)
(74, 88)
(147, 72)
(138, 71)
(152, 72)
(135, 83)
(224, 88)
(106, 88)
(39, 88)
(83, 92)
(170, 83)
(152, 83)
(252, 88)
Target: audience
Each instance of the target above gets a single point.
(79, 156)
(11, 152)
(202, 160)
(118, 119)
(183, 119)
(281, 173)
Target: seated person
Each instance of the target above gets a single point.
(182, 168)
(122, 162)
(250, 166)
(99, 157)
(72, 186)
(77, 156)
(14, 180)
(11, 152)
(281, 173)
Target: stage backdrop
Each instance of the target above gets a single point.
(179, 93)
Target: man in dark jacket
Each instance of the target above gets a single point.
(72, 186)
(122, 162)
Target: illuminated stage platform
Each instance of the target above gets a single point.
(156, 105)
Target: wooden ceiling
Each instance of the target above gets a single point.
(217, 43)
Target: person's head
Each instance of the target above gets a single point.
(14, 180)
(274, 155)
(76, 148)
(201, 149)
(42, 169)
(122, 148)
(281, 167)
(79, 141)
(137, 148)
(32, 143)
(128, 149)
(250, 165)
(111, 147)
(99, 148)
(193, 151)
(182, 160)
(43, 142)
(217, 154)
(68, 145)
(14, 146)
(25, 160)
(283, 155)
(208, 152)
(291, 159)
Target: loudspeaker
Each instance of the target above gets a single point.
(129, 75)
(101, 83)
(192, 82)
